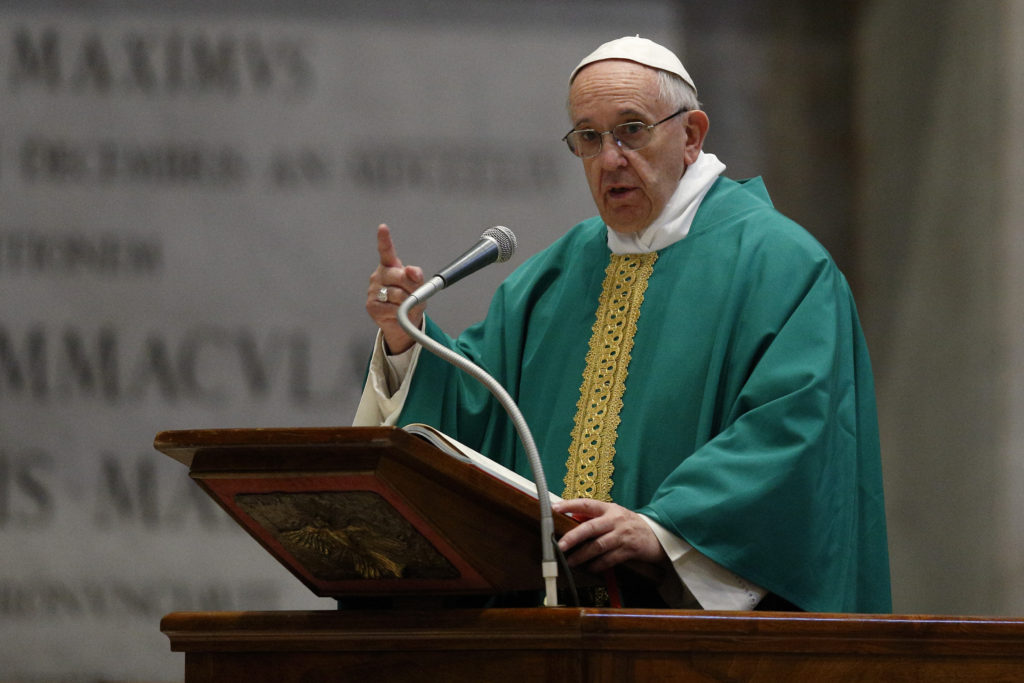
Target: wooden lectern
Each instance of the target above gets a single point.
(379, 512)
(370, 511)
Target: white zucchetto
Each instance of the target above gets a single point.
(641, 51)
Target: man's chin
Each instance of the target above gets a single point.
(626, 226)
(626, 218)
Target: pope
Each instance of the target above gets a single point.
(690, 362)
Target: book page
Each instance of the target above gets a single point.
(467, 454)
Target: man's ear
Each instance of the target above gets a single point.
(696, 127)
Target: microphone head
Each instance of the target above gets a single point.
(505, 239)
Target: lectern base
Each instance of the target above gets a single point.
(568, 644)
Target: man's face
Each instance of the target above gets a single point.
(630, 187)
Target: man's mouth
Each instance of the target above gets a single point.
(619, 191)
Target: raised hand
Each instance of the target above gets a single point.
(390, 284)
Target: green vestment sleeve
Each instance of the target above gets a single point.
(748, 425)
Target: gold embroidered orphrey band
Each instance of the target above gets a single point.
(589, 467)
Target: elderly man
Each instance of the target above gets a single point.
(690, 363)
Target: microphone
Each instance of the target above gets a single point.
(496, 245)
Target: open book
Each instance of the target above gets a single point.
(463, 452)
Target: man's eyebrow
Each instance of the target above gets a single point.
(632, 112)
(639, 115)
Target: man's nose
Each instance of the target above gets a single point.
(612, 152)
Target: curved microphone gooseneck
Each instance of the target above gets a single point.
(496, 245)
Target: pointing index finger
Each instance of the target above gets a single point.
(386, 248)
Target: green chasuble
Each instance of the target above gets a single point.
(748, 422)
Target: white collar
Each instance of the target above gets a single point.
(673, 224)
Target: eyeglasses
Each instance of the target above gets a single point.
(587, 143)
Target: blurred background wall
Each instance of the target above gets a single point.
(939, 221)
(189, 195)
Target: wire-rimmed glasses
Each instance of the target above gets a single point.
(587, 142)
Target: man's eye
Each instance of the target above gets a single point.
(631, 128)
(587, 135)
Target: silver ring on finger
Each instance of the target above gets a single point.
(382, 295)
